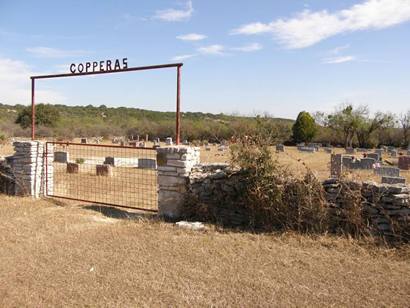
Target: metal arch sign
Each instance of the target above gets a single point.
(99, 66)
(108, 67)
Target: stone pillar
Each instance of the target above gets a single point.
(336, 165)
(28, 166)
(174, 167)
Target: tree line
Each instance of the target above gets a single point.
(347, 125)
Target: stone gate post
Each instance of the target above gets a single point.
(28, 165)
(174, 167)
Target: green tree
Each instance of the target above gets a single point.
(346, 121)
(46, 115)
(368, 126)
(304, 129)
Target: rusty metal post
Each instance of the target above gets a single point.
(33, 111)
(178, 117)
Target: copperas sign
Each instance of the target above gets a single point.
(99, 66)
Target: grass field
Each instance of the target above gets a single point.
(60, 254)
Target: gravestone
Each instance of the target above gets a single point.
(336, 165)
(307, 149)
(375, 156)
(366, 163)
(103, 170)
(141, 144)
(387, 171)
(350, 150)
(328, 150)
(380, 152)
(61, 157)
(347, 161)
(168, 141)
(84, 140)
(73, 168)
(280, 148)
(393, 153)
(133, 144)
(147, 163)
(404, 162)
(393, 180)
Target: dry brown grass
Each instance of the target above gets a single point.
(65, 255)
(294, 160)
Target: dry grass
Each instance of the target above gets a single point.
(65, 255)
(294, 160)
(297, 162)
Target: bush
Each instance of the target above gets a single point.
(275, 199)
(304, 129)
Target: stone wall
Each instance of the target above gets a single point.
(215, 192)
(386, 206)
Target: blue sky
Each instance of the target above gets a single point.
(244, 57)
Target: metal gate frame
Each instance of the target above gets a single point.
(87, 200)
(130, 69)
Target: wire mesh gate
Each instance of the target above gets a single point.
(114, 175)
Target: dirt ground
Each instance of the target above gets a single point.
(56, 254)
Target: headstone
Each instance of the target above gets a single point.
(72, 167)
(387, 171)
(147, 163)
(328, 150)
(393, 153)
(280, 148)
(404, 162)
(307, 149)
(84, 140)
(133, 144)
(168, 141)
(380, 152)
(367, 163)
(61, 157)
(375, 156)
(350, 150)
(141, 144)
(336, 165)
(104, 170)
(393, 180)
(207, 148)
(347, 161)
(185, 142)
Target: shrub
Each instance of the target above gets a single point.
(276, 200)
(80, 160)
(304, 129)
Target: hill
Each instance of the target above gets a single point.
(75, 121)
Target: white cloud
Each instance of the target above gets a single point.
(183, 57)
(47, 52)
(339, 60)
(308, 28)
(191, 37)
(249, 47)
(15, 84)
(175, 15)
(212, 50)
(339, 49)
